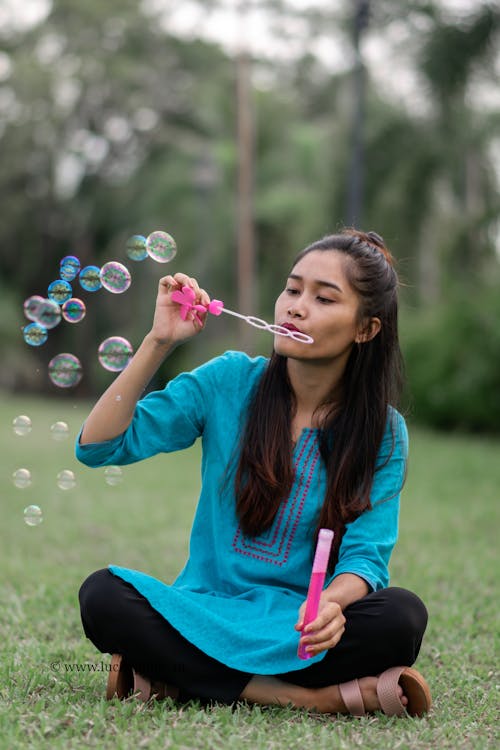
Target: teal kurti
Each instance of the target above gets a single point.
(237, 598)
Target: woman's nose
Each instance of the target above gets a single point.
(295, 311)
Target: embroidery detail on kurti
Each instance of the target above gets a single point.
(274, 545)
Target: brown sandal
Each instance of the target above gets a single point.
(120, 679)
(124, 681)
(415, 688)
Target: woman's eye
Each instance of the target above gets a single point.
(325, 300)
(289, 290)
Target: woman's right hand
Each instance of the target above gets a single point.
(168, 326)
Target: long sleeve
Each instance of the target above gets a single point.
(166, 420)
(369, 540)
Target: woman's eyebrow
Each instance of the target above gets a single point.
(318, 282)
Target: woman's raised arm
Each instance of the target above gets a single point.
(113, 412)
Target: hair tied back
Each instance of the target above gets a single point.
(377, 242)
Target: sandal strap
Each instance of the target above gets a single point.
(387, 692)
(351, 695)
(142, 686)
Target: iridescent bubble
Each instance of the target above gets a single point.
(113, 475)
(69, 267)
(59, 431)
(66, 479)
(21, 425)
(49, 314)
(115, 353)
(32, 305)
(115, 277)
(59, 291)
(136, 247)
(90, 279)
(34, 334)
(74, 310)
(65, 370)
(33, 515)
(22, 478)
(161, 247)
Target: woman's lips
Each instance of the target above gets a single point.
(290, 327)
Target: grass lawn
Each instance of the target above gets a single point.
(447, 554)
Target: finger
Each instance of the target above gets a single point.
(323, 645)
(328, 613)
(301, 613)
(176, 282)
(197, 290)
(325, 635)
(324, 629)
(191, 281)
(179, 280)
(201, 296)
(167, 282)
(198, 319)
(324, 632)
(204, 297)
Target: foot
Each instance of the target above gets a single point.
(368, 688)
(124, 681)
(398, 691)
(269, 691)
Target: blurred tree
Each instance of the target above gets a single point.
(455, 59)
(430, 177)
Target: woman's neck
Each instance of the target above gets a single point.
(313, 384)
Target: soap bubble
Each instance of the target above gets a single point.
(65, 370)
(136, 247)
(115, 277)
(73, 310)
(113, 475)
(59, 430)
(48, 314)
(22, 478)
(69, 267)
(161, 247)
(33, 515)
(89, 278)
(34, 334)
(115, 353)
(32, 305)
(21, 425)
(59, 291)
(66, 479)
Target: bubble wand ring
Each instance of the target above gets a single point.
(185, 299)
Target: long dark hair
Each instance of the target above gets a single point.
(372, 381)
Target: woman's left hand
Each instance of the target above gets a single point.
(326, 630)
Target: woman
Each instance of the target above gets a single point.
(304, 440)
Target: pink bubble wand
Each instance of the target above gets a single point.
(186, 297)
(316, 583)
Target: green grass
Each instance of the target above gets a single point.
(447, 554)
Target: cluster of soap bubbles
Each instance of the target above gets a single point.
(45, 313)
(65, 479)
(65, 369)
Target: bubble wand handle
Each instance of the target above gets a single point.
(316, 583)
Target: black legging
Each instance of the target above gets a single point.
(382, 630)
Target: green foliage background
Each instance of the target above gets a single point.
(111, 124)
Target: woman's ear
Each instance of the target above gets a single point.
(368, 331)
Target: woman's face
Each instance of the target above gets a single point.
(319, 301)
